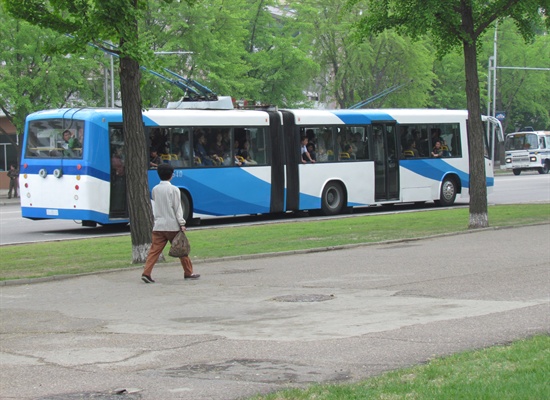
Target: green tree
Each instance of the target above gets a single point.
(246, 49)
(353, 70)
(213, 33)
(449, 87)
(278, 54)
(117, 21)
(523, 94)
(452, 24)
(31, 79)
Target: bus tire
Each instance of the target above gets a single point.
(448, 193)
(332, 200)
(516, 171)
(545, 168)
(186, 205)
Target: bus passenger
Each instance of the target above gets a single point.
(411, 150)
(246, 154)
(348, 153)
(154, 159)
(69, 144)
(306, 157)
(200, 150)
(311, 151)
(217, 150)
(437, 151)
(217, 147)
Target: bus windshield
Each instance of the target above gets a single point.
(55, 138)
(521, 141)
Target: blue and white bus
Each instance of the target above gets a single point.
(242, 162)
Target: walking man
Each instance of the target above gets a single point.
(13, 174)
(169, 221)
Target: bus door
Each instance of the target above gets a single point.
(117, 204)
(384, 153)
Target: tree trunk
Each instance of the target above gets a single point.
(478, 187)
(137, 186)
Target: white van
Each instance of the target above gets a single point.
(528, 150)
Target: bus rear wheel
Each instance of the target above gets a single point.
(448, 193)
(186, 205)
(332, 200)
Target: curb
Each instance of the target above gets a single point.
(29, 281)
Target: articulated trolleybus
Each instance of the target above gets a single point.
(242, 162)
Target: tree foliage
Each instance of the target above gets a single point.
(278, 54)
(30, 71)
(212, 33)
(97, 22)
(235, 48)
(523, 92)
(352, 70)
(453, 24)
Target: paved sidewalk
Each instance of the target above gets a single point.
(259, 325)
(4, 198)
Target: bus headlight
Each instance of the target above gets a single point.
(43, 173)
(508, 160)
(533, 159)
(58, 173)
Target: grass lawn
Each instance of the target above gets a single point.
(514, 372)
(35, 260)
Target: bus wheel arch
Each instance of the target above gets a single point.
(333, 198)
(187, 205)
(450, 187)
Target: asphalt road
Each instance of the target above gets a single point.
(529, 187)
(256, 325)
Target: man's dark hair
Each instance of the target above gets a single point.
(165, 171)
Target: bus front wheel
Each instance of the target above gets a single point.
(545, 168)
(516, 171)
(448, 192)
(332, 200)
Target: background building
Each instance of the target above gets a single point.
(9, 149)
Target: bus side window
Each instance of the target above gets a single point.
(259, 143)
